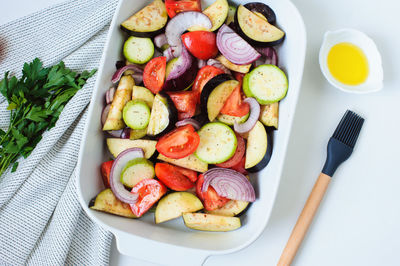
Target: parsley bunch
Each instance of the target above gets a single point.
(35, 101)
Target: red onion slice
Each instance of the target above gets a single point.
(180, 23)
(115, 133)
(104, 114)
(169, 53)
(230, 184)
(118, 74)
(201, 63)
(183, 63)
(110, 95)
(115, 175)
(160, 40)
(216, 63)
(234, 47)
(137, 77)
(126, 133)
(188, 121)
(271, 57)
(253, 118)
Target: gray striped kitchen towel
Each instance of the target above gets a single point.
(41, 221)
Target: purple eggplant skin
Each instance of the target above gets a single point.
(267, 157)
(208, 88)
(263, 9)
(254, 42)
(183, 81)
(149, 34)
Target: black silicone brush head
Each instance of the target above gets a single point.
(349, 128)
(342, 142)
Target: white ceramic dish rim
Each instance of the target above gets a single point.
(142, 243)
(374, 80)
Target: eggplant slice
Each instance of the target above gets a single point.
(148, 22)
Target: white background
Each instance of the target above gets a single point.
(359, 220)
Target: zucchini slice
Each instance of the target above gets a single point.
(256, 29)
(138, 50)
(136, 114)
(137, 133)
(217, 143)
(135, 171)
(144, 94)
(269, 115)
(163, 115)
(175, 204)
(232, 208)
(117, 145)
(148, 22)
(190, 162)
(267, 83)
(210, 222)
(231, 120)
(106, 201)
(228, 64)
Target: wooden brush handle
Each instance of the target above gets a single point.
(304, 220)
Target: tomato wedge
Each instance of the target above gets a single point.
(211, 200)
(172, 177)
(235, 106)
(201, 44)
(185, 102)
(192, 175)
(237, 157)
(203, 76)
(150, 191)
(179, 143)
(154, 74)
(240, 166)
(105, 169)
(175, 6)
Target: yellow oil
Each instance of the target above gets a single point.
(348, 63)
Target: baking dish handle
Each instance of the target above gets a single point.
(167, 254)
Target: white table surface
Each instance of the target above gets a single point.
(359, 222)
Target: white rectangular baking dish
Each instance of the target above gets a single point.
(171, 242)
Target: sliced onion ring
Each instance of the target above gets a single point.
(104, 114)
(253, 118)
(180, 23)
(201, 63)
(160, 40)
(110, 95)
(126, 133)
(271, 57)
(230, 184)
(234, 47)
(115, 133)
(217, 64)
(188, 121)
(168, 53)
(115, 175)
(183, 63)
(118, 74)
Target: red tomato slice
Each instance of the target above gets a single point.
(176, 6)
(192, 175)
(179, 143)
(203, 76)
(211, 200)
(150, 191)
(237, 157)
(234, 106)
(185, 102)
(201, 44)
(105, 169)
(154, 74)
(172, 177)
(240, 166)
